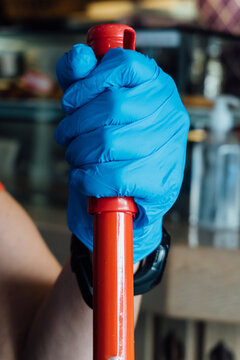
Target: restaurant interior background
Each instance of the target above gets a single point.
(195, 313)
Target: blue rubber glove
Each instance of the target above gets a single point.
(126, 133)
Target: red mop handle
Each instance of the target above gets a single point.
(113, 312)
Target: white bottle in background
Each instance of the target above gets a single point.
(215, 178)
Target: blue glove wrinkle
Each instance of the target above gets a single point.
(114, 70)
(124, 106)
(107, 143)
(126, 135)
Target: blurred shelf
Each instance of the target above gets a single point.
(72, 26)
(159, 38)
(34, 110)
(49, 111)
(46, 26)
(200, 117)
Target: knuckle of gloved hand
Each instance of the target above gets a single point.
(100, 184)
(79, 180)
(182, 119)
(122, 55)
(127, 60)
(176, 103)
(117, 111)
(66, 105)
(109, 144)
(186, 120)
(113, 102)
(169, 82)
(121, 182)
(166, 198)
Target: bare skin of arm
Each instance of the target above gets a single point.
(42, 313)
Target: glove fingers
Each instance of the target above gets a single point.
(75, 65)
(85, 119)
(118, 143)
(118, 68)
(129, 142)
(152, 178)
(119, 107)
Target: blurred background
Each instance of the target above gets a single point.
(195, 313)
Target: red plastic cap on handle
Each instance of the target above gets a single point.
(101, 38)
(112, 204)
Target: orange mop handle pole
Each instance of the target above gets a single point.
(113, 312)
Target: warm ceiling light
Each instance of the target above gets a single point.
(108, 10)
(197, 135)
(178, 8)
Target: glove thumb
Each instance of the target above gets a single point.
(75, 64)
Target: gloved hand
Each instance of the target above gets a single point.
(126, 132)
